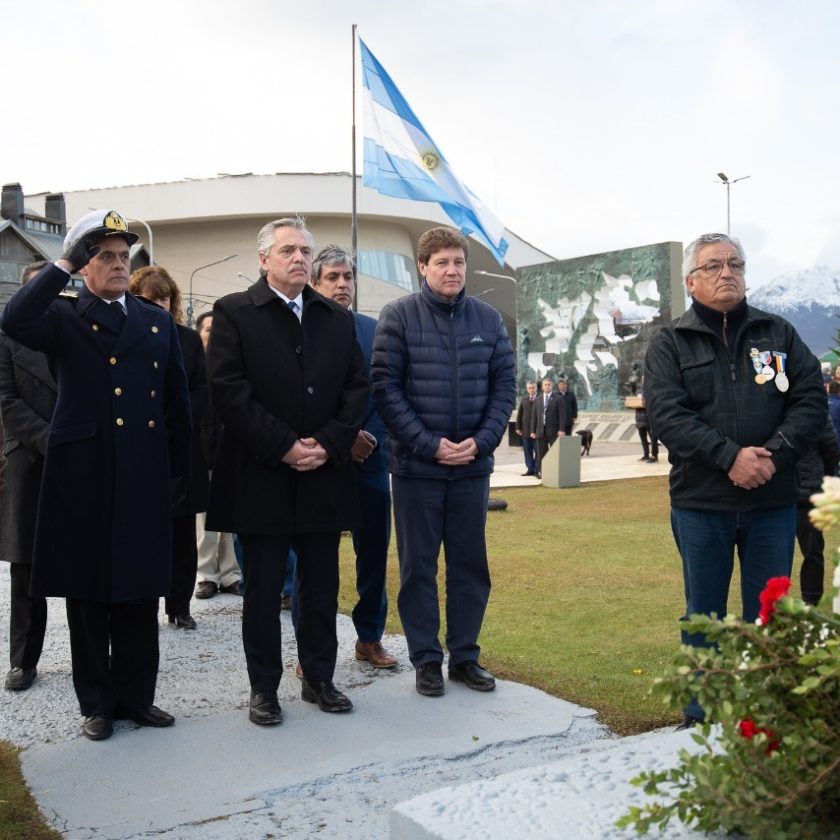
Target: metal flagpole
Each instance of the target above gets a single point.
(353, 230)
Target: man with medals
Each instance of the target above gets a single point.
(737, 399)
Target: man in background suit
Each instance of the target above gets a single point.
(553, 416)
(334, 276)
(526, 428)
(287, 380)
(119, 434)
(570, 406)
(27, 400)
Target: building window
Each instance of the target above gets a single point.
(396, 269)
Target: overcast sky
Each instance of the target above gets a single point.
(586, 125)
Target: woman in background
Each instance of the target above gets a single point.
(154, 284)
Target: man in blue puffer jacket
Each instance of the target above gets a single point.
(443, 381)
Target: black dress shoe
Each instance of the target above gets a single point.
(19, 679)
(98, 727)
(428, 680)
(183, 622)
(148, 716)
(472, 675)
(527, 473)
(689, 722)
(264, 710)
(326, 695)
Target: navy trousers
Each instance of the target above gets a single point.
(115, 656)
(370, 543)
(428, 513)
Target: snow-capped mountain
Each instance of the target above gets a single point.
(809, 299)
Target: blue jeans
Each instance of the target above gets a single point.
(707, 540)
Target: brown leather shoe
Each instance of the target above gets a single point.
(374, 653)
(206, 589)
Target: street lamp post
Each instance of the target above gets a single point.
(151, 238)
(727, 183)
(190, 321)
(500, 276)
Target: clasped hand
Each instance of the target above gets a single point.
(306, 454)
(456, 454)
(752, 467)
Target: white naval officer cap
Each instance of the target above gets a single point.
(108, 221)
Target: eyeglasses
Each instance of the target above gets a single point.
(715, 267)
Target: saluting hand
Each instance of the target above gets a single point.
(81, 252)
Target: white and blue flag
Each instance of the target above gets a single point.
(402, 161)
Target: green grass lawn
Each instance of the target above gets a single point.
(587, 595)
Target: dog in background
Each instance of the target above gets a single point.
(585, 441)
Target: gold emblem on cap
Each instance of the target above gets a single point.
(113, 221)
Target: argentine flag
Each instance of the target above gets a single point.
(402, 161)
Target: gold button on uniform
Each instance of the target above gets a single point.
(118, 391)
(156, 365)
(120, 421)
(95, 327)
(151, 424)
(154, 329)
(113, 360)
(153, 393)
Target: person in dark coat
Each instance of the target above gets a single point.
(154, 284)
(817, 463)
(287, 380)
(334, 276)
(27, 400)
(549, 420)
(118, 448)
(526, 428)
(570, 406)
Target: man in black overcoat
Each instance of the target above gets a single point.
(27, 400)
(117, 446)
(287, 380)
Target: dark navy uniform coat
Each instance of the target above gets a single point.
(122, 417)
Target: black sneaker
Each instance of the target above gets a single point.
(429, 679)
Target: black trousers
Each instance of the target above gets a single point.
(316, 582)
(27, 620)
(184, 565)
(651, 448)
(812, 545)
(114, 651)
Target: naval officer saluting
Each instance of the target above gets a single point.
(118, 447)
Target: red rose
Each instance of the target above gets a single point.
(776, 588)
(749, 730)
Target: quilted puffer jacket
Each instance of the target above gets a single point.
(442, 369)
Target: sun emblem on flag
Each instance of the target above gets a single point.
(430, 160)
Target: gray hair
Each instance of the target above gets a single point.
(708, 239)
(29, 271)
(265, 238)
(331, 255)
